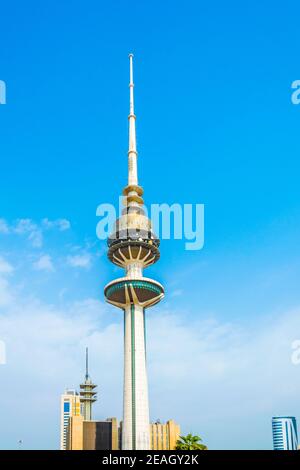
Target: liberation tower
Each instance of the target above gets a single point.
(133, 246)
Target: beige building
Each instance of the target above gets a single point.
(106, 435)
(164, 436)
(92, 435)
(69, 406)
(75, 433)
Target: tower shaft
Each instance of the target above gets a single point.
(135, 431)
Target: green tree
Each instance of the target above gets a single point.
(190, 442)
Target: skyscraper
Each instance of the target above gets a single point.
(284, 433)
(69, 406)
(133, 246)
(87, 391)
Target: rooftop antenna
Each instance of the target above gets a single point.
(86, 363)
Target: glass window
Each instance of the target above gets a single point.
(67, 407)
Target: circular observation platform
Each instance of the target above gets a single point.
(123, 291)
(133, 240)
(124, 251)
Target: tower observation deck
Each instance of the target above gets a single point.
(133, 246)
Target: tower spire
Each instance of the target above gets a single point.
(132, 152)
(86, 363)
(131, 84)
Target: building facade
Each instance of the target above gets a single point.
(107, 435)
(133, 246)
(164, 436)
(285, 435)
(92, 435)
(69, 406)
(74, 439)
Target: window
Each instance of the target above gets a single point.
(66, 407)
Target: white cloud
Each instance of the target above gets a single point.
(3, 226)
(176, 293)
(61, 224)
(25, 226)
(5, 266)
(44, 263)
(36, 238)
(30, 228)
(64, 224)
(6, 296)
(33, 230)
(79, 261)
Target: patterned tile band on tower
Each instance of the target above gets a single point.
(134, 246)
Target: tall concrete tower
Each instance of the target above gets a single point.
(87, 391)
(133, 246)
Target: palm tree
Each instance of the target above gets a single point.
(190, 442)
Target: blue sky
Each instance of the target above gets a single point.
(215, 125)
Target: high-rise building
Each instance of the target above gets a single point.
(284, 433)
(134, 246)
(92, 435)
(87, 391)
(69, 406)
(164, 436)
